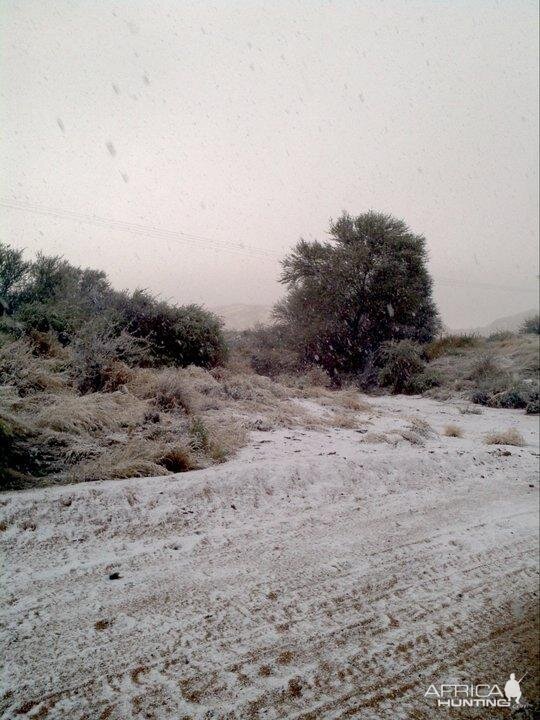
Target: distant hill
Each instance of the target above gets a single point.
(510, 322)
(242, 317)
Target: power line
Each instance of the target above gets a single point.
(192, 239)
(139, 229)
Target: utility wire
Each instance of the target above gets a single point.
(192, 239)
(138, 229)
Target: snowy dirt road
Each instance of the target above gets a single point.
(319, 575)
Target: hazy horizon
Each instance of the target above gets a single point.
(226, 132)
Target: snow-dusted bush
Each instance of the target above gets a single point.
(101, 357)
(175, 335)
(401, 363)
(368, 284)
(49, 295)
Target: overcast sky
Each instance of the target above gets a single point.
(227, 130)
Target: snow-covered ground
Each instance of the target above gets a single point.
(320, 574)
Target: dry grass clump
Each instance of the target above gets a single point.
(178, 459)
(133, 459)
(158, 445)
(524, 353)
(143, 422)
(484, 368)
(258, 424)
(214, 439)
(166, 388)
(87, 413)
(417, 431)
(375, 437)
(505, 437)
(50, 432)
(117, 376)
(203, 382)
(453, 431)
(191, 389)
(501, 336)
(20, 368)
(412, 437)
(347, 399)
(311, 380)
(286, 414)
(224, 439)
(46, 344)
(271, 401)
(420, 426)
(146, 421)
(470, 410)
(451, 345)
(343, 420)
(256, 389)
(171, 396)
(171, 448)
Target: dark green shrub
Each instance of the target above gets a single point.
(504, 392)
(513, 398)
(175, 335)
(423, 381)
(495, 387)
(480, 397)
(23, 454)
(51, 295)
(369, 283)
(268, 351)
(199, 338)
(10, 330)
(533, 407)
(13, 275)
(51, 278)
(46, 317)
(401, 362)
